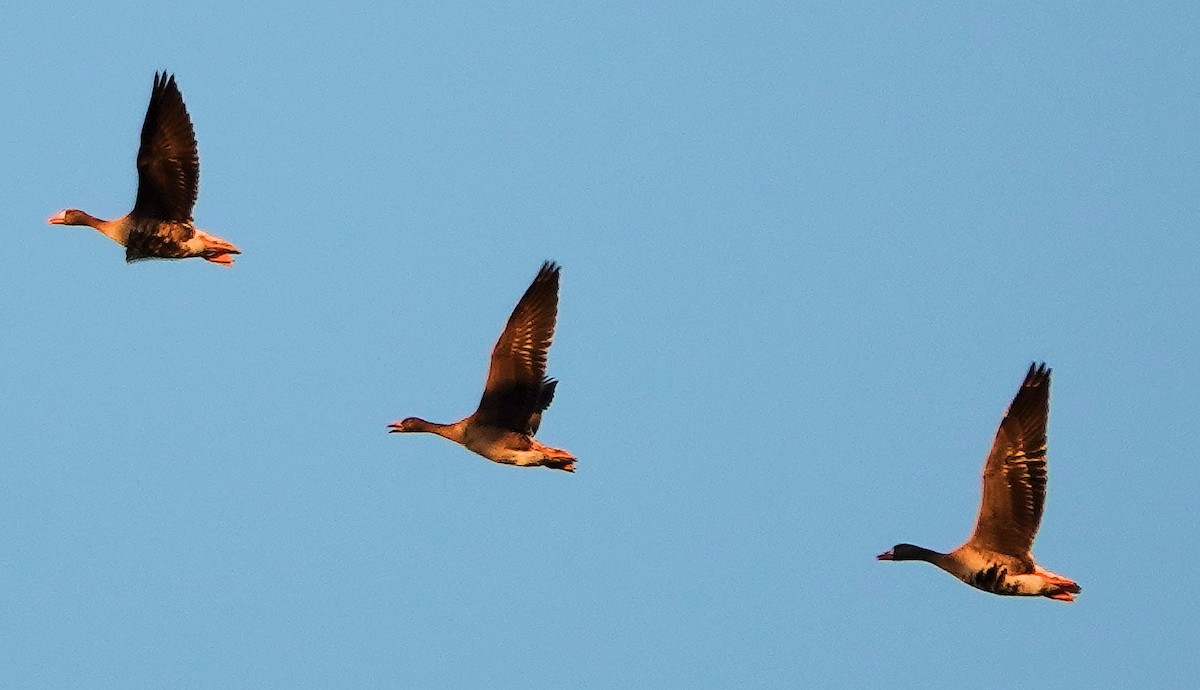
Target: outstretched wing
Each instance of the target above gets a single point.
(517, 390)
(1014, 478)
(168, 161)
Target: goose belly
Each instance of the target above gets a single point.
(998, 580)
(159, 239)
(519, 457)
(505, 448)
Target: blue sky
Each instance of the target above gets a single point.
(808, 253)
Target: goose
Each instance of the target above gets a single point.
(160, 224)
(998, 556)
(517, 391)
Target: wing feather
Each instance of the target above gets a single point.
(168, 160)
(1014, 476)
(517, 390)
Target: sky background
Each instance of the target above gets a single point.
(808, 250)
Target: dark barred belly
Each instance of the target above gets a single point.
(994, 580)
(164, 240)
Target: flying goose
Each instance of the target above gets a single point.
(160, 224)
(998, 557)
(517, 390)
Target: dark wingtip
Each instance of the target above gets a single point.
(1038, 372)
(164, 81)
(549, 268)
(547, 394)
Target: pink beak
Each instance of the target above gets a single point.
(58, 219)
(885, 556)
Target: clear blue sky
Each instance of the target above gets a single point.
(808, 253)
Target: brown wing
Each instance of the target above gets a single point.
(168, 162)
(517, 390)
(1014, 478)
